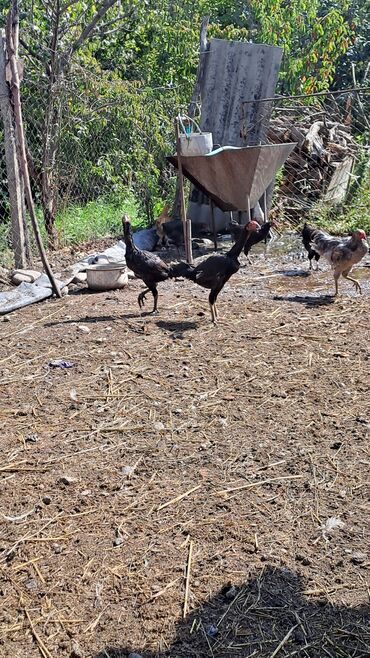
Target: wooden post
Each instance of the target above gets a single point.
(213, 223)
(248, 208)
(265, 212)
(12, 169)
(12, 27)
(185, 222)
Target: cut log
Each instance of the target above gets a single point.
(338, 186)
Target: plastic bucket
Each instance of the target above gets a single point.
(196, 144)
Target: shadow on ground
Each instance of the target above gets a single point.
(269, 616)
(174, 326)
(309, 301)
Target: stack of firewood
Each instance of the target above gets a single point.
(319, 169)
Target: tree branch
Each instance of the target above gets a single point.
(86, 32)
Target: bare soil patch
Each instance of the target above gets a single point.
(239, 440)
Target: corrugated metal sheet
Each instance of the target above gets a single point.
(235, 72)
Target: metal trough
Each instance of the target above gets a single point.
(235, 177)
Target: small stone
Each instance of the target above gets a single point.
(31, 585)
(118, 541)
(67, 479)
(31, 438)
(73, 395)
(336, 445)
(6, 318)
(303, 559)
(231, 593)
(83, 329)
(358, 557)
(46, 500)
(135, 655)
(57, 548)
(128, 471)
(158, 426)
(212, 630)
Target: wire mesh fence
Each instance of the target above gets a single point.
(97, 146)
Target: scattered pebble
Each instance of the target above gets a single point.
(73, 394)
(231, 593)
(31, 438)
(46, 500)
(67, 479)
(358, 557)
(212, 630)
(128, 471)
(83, 329)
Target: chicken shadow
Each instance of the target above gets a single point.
(174, 327)
(306, 300)
(267, 616)
(87, 319)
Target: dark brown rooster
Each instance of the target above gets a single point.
(146, 266)
(215, 271)
(254, 238)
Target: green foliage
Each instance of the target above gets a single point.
(124, 86)
(313, 39)
(96, 219)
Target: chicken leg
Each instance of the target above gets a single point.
(141, 298)
(354, 281)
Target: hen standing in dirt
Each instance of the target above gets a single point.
(146, 266)
(342, 253)
(215, 271)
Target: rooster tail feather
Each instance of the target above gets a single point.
(322, 243)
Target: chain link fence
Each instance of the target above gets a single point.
(103, 143)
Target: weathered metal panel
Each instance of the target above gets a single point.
(234, 72)
(235, 177)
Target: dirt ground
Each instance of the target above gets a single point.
(179, 467)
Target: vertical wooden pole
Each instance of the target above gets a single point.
(12, 169)
(213, 223)
(265, 213)
(248, 208)
(186, 223)
(11, 42)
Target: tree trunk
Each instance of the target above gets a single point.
(50, 173)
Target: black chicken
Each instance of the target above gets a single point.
(308, 234)
(215, 271)
(147, 266)
(174, 231)
(257, 236)
(254, 238)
